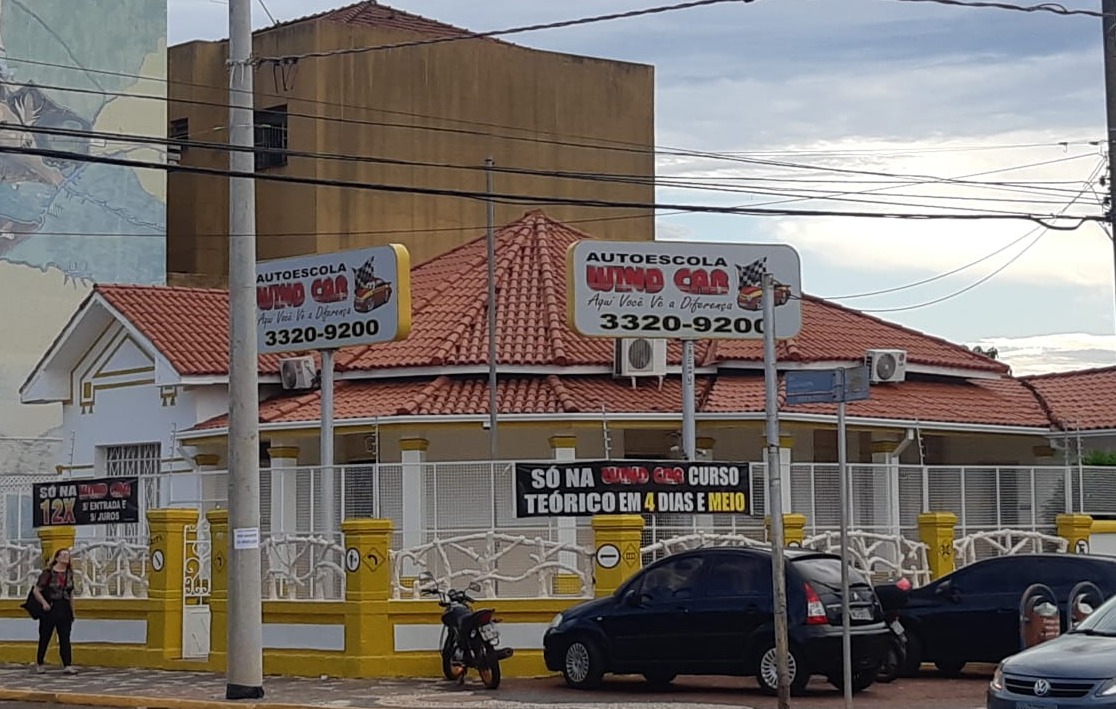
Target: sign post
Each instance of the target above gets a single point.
(836, 386)
(325, 302)
(687, 291)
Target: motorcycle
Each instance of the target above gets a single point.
(470, 637)
(893, 598)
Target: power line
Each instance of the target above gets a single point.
(595, 177)
(502, 32)
(1050, 7)
(521, 200)
(1043, 230)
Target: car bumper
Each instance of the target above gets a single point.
(1000, 699)
(552, 650)
(823, 649)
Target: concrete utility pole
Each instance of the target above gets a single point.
(244, 673)
(493, 402)
(1108, 25)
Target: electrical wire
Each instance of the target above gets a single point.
(1043, 230)
(502, 32)
(1050, 7)
(518, 199)
(649, 181)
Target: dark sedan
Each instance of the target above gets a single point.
(710, 612)
(972, 615)
(1076, 669)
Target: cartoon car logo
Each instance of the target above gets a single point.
(369, 292)
(750, 286)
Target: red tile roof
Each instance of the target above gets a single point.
(1082, 400)
(1002, 402)
(189, 326)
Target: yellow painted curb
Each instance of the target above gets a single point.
(132, 701)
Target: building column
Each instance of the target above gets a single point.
(284, 488)
(564, 448)
(218, 589)
(413, 453)
(704, 451)
(166, 581)
(885, 484)
(786, 445)
(1076, 530)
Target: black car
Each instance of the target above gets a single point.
(710, 612)
(1072, 670)
(972, 614)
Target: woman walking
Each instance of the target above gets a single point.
(55, 591)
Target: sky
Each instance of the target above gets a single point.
(876, 105)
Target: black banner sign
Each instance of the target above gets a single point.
(602, 487)
(84, 502)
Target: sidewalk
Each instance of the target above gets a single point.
(156, 689)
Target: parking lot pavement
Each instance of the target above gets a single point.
(201, 690)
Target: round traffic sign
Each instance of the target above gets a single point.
(352, 559)
(608, 556)
(157, 560)
(1082, 546)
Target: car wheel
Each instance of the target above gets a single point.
(659, 678)
(950, 668)
(861, 681)
(912, 664)
(582, 664)
(767, 675)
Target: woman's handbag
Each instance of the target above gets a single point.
(32, 606)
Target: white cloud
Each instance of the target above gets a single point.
(1054, 353)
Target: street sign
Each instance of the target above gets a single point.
(329, 301)
(608, 556)
(680, 290)
(827, 386)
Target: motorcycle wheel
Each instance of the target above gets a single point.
(489, 669)
(449, 670)
(894, 661)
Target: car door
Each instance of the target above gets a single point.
(735, 601)
(650, 625)
(972, 614)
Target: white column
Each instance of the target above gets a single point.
(885, 490)
(284, 493)
(413, 454)
(564, 448)
(209, 485)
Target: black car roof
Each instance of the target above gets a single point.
(791, 553)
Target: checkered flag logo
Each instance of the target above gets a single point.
(366, 275)
(752, 274)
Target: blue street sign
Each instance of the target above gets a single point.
(812, 386)
(827, 386)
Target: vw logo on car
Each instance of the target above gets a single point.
(1041, 687)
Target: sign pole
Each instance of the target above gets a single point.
(775, 491)
(327, 485)
(689, 413)
(843, 473)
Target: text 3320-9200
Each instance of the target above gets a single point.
(311, 334)
(672, 323)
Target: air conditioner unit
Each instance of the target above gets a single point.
(297, 372)
(640, 357)
(886, 365)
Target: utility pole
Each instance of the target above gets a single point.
(493, 408)
(1108, 25)
(244, 664)
(775, 493)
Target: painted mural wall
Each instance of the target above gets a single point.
(86, 68)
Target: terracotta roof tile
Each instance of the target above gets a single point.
(989, 402)
(833, 332)
(450, 318)
(999, 402)
(376, 15)
(1081, 400)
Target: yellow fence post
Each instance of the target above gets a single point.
(218, 588)
(51, 539)
(369, 637)
(937, 531)
(166, 581)
(1077, 530)
(617, 540)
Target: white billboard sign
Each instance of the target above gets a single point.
(328, 301)
(680, 290)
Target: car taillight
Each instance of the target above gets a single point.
(815, 609)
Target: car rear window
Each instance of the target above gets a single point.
(827, 571)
